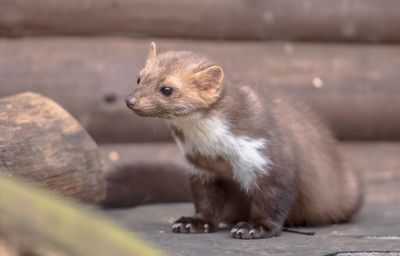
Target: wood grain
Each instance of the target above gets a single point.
(41, 143)
(354, 88)
(308, 20)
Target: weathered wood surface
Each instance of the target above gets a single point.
(355, 88)
(42, 143)
(341, 20)
(166, 180)
(37, 224)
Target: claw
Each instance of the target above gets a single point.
(252, 233)
(188, 227)
(249, 230)
(239, 234)
(206, 228)
(191, 225)
(177, 227)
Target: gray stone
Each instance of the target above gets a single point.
(363, 236)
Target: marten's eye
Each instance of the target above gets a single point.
(166, 90)
(138, 80)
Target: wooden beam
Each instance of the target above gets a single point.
(353, 87)
(144, 173)
(140, 173)
(310, 20)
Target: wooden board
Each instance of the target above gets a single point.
(355, 88)
(310, 20)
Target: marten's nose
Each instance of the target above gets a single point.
(130, 101)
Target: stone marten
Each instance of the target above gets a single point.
(259, 159)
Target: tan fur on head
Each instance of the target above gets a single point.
(196, 84)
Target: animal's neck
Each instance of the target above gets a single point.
(201, 127)
(195, 120)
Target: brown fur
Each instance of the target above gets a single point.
(217, 165)
(307, 184)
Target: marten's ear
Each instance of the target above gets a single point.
(210, 78)
(152, 52)
(209, 83)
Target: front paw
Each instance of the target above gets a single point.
(248, 230)
(192, 225)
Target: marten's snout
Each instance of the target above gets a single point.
(130, 101)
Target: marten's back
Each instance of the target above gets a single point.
(327, 191)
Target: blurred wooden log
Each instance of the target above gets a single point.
(353, 87)
(43, 225)
(146, 183)
(42, 143)
(166, 180)
(341, 20)
(144, 173)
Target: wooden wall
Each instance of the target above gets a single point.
(86, 54)
(354, 87)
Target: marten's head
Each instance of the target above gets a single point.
(175, 84)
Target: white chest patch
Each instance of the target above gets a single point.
(212, 137)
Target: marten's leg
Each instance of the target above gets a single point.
(270, 203)
(208, 198)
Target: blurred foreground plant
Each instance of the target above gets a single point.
(35, 223)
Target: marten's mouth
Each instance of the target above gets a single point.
(140, 112)
(150, 113)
